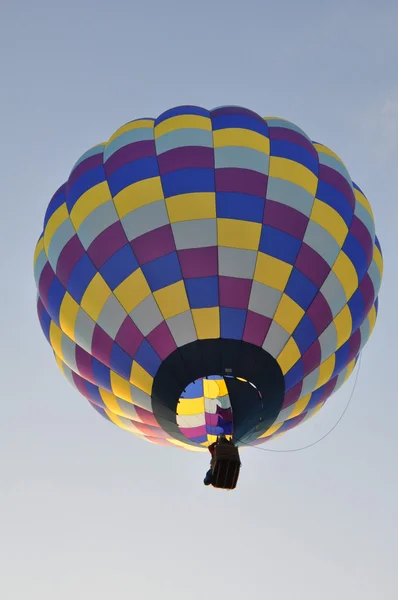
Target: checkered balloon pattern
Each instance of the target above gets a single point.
(201, 225)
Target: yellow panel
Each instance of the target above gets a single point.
(190, 406)
(60, 364)
(326, 371)
(110, 401)
(271, 430)
(289, 356)
(115, 419)
(242, 138)
(138, 194)
(139, 124)
(343, 324)
(300, 406)
(238, 234)
(372, 319)
(88, 202)
(288, 314)
(326, 150)
(362, 199)
(120, 387)
(132, 290)
(211, 389)
(172, 300)
(185, 446)
(272, 271)
(56, 219)
(346, 274)
(207, 322)
(140, 378)
(186, 207)
(377, 257)
(349, 369)
(56, 339)
(38, 250)
(95, 296)
(289, 170)
(222, 386)
(329, 219)
(68, 315)
(182, 122)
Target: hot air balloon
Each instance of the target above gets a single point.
(208, 273)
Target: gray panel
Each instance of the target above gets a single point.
(69, 353)
(127, 409)
(334, 293)
(276, 339)
(182, 328)
(328, 341)
(241, 158)
(39, 266)
(322, 242)
(191, 420)
(144, 219)
(333, 163)
(199, 233)
(140, 398)
(364, 216)
(365, 332)
(310, 382)
(147, 315)
(96, 222)
(375, 276)
(61, 237)
(235, 262)
(264, 300)
(290, 194)
(129, 137)
(69, 375)
(112, 316)
(84, 329)
(184, 137)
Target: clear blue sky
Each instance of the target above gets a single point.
(88, 511)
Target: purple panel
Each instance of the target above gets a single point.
(162, 341)
(84, 364)
(81, 385)
(320, 313)
(106, 244)
(234, 292)
(288, 135)
(235, 110)
(334, 178)
(199, 262)
(193, 432)
(328, 389)
(256, 328)
(186, 158)
(368, 293)
(241, 180)
(154, 244)
(129, 337)
(288, 425)
(86, 165)
(312, 358)
(129, 153)
(311, 264)
(69, 257)
(360, 231)
(46, 278)
(355, 344)
(101, 346)
(285, 219)
(146, 417)
(292, 395)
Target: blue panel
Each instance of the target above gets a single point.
(232, 323)
(136, 170)
(198, 440)
(94, 394)
(279, 244)
(56, 201)
(301, 289)
(102, 375)
(233, 205)
(119, 266)
(80, 277)
(286, 149)
(356, 304)
(121, 362)
(240, 121)
(341, 359)
(295, 375)
(316, 398)
(186, 181)
(101, 412)
(376, 304)
(163, 271)
(355, 252)
(45, 322)
(202, 292)
(334, 198)
(305, 334)
(377, 243)
(55, 296)
(148, 358)
(182, 110)
(84, 183)
(193, 390)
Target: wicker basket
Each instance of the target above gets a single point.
(225, 466)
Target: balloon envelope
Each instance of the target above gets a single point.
(208, 272)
